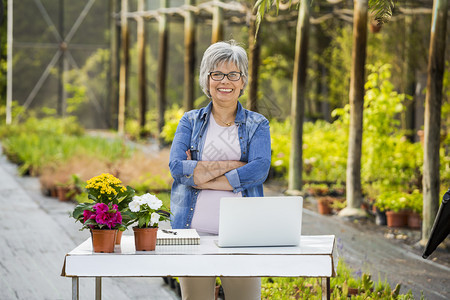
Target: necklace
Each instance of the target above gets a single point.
(226, 123)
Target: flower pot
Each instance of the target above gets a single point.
(380, 217)
(103, 240)
(63, 193)
(396, 219)
(119, 237)
(324, 206)
(414, 220)
(145, 238)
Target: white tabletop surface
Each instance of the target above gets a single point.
(313, 258)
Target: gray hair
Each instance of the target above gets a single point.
(218, 53)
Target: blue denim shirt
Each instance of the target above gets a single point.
(254, 140)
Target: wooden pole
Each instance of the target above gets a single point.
(433, 103)
(217, 25)
(298, 97)
(357, 79)
(113, 92)
(162, 71)
(142, 91)
(189, 58)
(254, 43)
(124, 61)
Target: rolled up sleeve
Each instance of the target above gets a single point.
(255, 172)
(181, 169)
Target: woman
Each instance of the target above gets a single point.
(221, 150)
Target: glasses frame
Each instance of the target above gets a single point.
(223, 75)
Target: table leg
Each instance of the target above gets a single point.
(325, 288)
(75, 288)
(98, 288)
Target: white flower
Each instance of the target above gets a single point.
(151, 200)
(154, 219)
(134, 205)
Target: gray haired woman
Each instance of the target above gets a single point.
(221, 150)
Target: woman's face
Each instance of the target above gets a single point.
(225, 90)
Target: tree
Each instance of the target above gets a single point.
(433, 104)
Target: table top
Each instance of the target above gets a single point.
(315, 257)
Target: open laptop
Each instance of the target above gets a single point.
(260, 221)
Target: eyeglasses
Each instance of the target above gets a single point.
(218, 76)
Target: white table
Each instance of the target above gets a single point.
(315, 257)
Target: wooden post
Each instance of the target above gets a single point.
(124, 61)
(113, 92)
(162, 71)
(357, 79)
(189, 58)
(142, 90)
(410, 78)
(298, 97)
(254, 61)
(433, 103)
(217, 25)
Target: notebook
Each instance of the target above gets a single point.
(177, 237)
(260, 221)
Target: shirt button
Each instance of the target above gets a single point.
(187, 224)
(192, 147)
(192, 208)
(243, 152)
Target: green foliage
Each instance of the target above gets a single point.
(310, 288)
(172, 118)
(49, 141)
(397, 201)
(382, 10)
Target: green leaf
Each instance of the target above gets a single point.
(382, 10)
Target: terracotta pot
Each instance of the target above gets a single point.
(145, 238)
(324, 206)
(414, 220)
(119, 237)
(63, 193)
(396, 219)
(103, 240)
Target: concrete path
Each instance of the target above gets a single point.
(36, 233)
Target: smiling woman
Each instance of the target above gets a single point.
(221, 150)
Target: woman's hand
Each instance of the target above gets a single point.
(188, 153)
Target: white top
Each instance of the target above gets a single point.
(221, 143)
(315, 257)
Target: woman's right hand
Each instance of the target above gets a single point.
(188, 154)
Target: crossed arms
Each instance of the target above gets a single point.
(209, 175)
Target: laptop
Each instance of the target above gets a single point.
(260, 221)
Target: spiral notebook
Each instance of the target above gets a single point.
(177, 237)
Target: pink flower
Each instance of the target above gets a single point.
(101, 207)
(87, 214)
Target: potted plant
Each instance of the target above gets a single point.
(415, 203)
(107, 207)
(147, 210)
(395, 204)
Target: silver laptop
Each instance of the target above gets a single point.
(260, 221)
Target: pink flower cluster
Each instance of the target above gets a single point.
(104, 215)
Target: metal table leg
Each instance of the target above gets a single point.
(75, 288)
(325, 288)
(98, 288)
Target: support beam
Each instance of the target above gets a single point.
(162, 71)
(217, 24)
(189, 58)
(142, 89)
(124, 61)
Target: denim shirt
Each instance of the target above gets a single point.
(254, 141)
